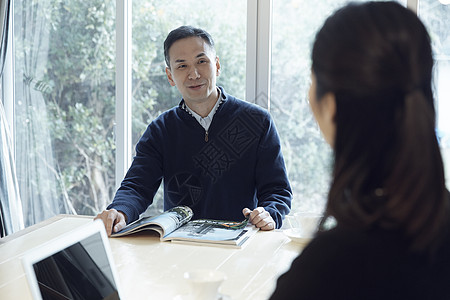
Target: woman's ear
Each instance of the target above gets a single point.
(328, 108)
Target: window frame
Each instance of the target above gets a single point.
(123, 89)
(258, 70)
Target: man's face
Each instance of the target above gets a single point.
(194, 67)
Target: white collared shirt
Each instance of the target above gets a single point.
(206, 121)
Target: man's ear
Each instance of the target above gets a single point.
(169, 76)
(217, 66)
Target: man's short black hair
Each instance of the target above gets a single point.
(183, 32)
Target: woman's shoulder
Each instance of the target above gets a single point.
(342, 239)
(364, 264)
(353, 252)
(339, 242)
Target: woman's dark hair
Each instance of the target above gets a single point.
(183, 32)
(376, 59)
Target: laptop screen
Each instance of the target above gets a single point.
(80, 269)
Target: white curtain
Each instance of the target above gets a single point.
(36, 168)
(11, 218)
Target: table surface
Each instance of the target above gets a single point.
(150, 269)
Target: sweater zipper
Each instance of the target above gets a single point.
(183, 107)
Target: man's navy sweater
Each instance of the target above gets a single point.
(236, 164)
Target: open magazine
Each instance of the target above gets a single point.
(176, 225)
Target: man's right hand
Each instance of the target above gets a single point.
(113, 220)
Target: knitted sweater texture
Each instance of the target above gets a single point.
(238, 163)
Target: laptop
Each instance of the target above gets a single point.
(77, 265)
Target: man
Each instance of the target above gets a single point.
(219, 155)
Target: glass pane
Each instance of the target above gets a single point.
(436, 17)
(308, 157)
(64, 105)
(152, 20)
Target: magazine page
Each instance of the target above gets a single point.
(164, 223)
(238, 242)
(208, 230)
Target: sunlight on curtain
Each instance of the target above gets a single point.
(36, 170)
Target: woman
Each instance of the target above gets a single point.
(371, 96)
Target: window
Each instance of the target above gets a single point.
(435, 14)
(65, 103)
(308, 157)
(152, 21)
(64, 106)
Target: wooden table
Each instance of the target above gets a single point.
(150, 269)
